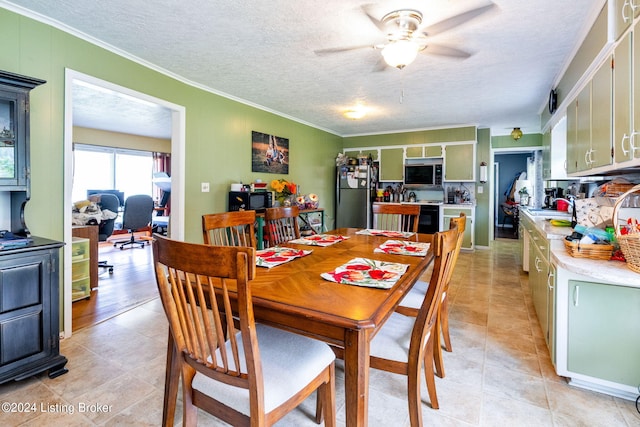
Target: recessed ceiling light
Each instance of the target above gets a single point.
(355, 113)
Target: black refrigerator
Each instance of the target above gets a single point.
(353, 196)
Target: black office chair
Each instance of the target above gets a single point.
(138, 213)
(105, 229)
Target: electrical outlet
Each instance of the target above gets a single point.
(480, 189)
(204, 187)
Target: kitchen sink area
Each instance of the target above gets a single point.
(540, 213)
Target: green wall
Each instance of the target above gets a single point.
(483, 201)
(218, 130)
(527, 140)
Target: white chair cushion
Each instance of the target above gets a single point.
(392, 341)
(289, 363)
(415, 297)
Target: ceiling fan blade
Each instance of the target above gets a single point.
(436, 49)
(329, 51)
(366, 8)
(454, 21)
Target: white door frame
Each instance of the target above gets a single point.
(178, 120)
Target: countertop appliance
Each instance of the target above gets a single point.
(353, 196)
(427, 174)
(246, 200)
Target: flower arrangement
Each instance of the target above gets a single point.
(284, 190)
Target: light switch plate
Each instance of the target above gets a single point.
(480, 189)
(204, 187)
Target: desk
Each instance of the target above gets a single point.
(294, 297)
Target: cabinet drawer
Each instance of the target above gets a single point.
(21, 336)
(541, 243)
(20, 286)
(80, 249)
(80, 289)
(80, 269)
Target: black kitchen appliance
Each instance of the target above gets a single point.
(550, 195)
(250, 201)
(429, 220)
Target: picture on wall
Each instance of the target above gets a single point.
(269, 153)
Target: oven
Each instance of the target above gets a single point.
(429, 220)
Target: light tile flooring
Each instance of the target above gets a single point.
(499, 373)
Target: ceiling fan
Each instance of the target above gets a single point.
(405, 37)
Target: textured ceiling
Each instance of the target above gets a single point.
(262, 52)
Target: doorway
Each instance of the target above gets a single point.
(508, 167)
(127, 100)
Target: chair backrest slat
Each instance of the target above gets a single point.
(396, 217)
(229, 229)
(443, 246)
(281, 225)
(195, 282)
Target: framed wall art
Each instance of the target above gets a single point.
(269, 153)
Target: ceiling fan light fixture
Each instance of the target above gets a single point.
(516, 134)
(400, 53)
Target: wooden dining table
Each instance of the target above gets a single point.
(293, 296)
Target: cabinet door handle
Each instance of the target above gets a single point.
(625, 17)
(576, 295)
(549, 280)
(538, 260)
(632, 143)
(625, 136)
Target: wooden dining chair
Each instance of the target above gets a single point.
(404, 345)
(411, 303)
(229, 229)
(281, 225)
(396, 217)
(258, 373)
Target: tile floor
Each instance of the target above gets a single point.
(499, 373)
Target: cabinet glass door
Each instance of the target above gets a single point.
(7, 140)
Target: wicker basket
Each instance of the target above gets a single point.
(629, 243)
(593, 251)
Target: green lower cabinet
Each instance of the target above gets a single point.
(467, 240)
(551, 313)
(604, 332)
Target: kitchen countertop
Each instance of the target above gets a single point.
(614, 272)
(541, 219)
(432, 202)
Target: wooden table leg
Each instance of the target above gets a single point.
(356, 377)
(171, 382)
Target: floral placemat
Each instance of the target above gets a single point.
(367, 272)
(386, 233)
(276, 256)
(319, 240)
(402, 247)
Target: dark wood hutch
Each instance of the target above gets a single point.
(29, 274)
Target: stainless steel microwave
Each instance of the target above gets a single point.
(423, 174)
